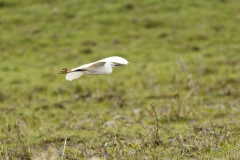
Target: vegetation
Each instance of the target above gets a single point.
(177, 99)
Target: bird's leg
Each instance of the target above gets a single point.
(63, 71)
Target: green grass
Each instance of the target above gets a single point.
(183, 54)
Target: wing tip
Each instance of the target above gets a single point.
(68, 79)
(73, 75)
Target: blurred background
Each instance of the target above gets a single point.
(184, 56)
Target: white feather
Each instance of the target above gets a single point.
(103, 66)
(115, 59)
(73, 75)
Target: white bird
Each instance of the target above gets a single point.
(103, 66)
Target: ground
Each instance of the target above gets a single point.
(178, 98)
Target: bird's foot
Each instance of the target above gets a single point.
(63, 71)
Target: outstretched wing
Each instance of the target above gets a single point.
(73, 75)
(115, 59)
(95, 65)
(83, 66)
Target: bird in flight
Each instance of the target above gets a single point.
(103, 66)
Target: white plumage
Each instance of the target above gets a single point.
(103, 66)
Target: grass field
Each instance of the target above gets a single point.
(178, 98)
